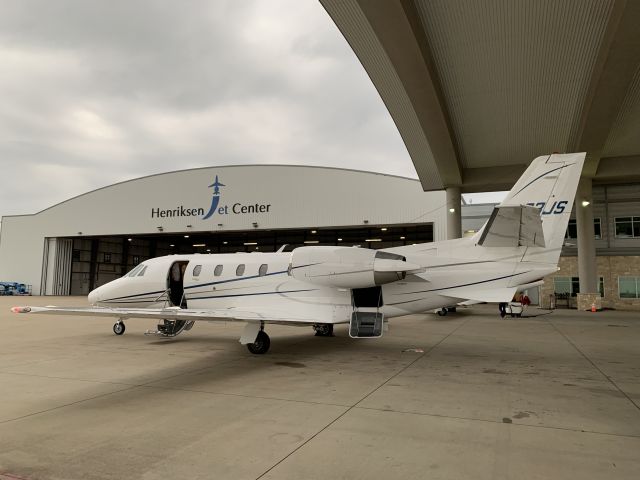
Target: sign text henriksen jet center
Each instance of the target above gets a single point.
(236, 208)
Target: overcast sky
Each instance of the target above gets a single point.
(96, 92)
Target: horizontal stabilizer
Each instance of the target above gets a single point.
(513, 226)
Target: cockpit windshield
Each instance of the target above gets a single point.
(135, 271)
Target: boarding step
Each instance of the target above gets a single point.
(171, 328)
(366, 323)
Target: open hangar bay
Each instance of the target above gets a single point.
(550, 396)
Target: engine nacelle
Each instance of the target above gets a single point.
(347, 267)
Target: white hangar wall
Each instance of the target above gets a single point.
(271, 196)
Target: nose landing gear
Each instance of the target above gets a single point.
(119, 328)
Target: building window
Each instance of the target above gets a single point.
(218, 270)
(571, 285)
(629, 287)
(627, 227)
(263, 270)
(572, 229)
(240, 270)
(136, 259)
(107, 258)
(196, 270)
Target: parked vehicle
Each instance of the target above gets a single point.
(14, 288)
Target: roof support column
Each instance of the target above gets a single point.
(454, 217)
(586, 247)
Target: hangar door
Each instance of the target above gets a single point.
(56, 267)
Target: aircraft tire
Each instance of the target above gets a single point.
(443, 311)
(323, 330)
(261, 345)
(119, 328)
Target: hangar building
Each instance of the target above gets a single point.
(89, 240)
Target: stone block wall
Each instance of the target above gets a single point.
(610, 268)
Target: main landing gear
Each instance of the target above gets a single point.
(323, 329)
(261, 344)
(118, 327)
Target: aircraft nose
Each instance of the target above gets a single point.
(94, 296)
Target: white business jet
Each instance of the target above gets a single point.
(321, 286)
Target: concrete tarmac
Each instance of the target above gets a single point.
(547, 397)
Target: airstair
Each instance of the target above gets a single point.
(367, 321)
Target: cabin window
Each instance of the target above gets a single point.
(196, 270)
(218, 270)
(240, 270)
(141, 274)
(263, 270)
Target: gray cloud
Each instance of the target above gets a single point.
(98, 92)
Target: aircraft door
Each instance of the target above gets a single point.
(175, 284)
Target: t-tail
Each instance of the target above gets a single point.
(536, 211)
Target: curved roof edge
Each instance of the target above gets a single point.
(250, 165)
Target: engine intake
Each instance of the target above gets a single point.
(347, 267)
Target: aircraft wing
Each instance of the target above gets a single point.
(174, 313)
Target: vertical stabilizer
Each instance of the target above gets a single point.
(550, 184)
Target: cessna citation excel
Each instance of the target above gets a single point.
(321, 286)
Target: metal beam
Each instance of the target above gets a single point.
(491, 179)
(398, 32)
(618, 170)
(399, 29)
(617, 61)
